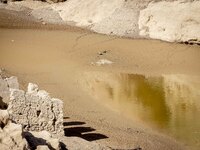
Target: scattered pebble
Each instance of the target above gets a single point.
(103, 52)
(44, 23)
(12, 40)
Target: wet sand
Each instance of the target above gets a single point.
(57, 60)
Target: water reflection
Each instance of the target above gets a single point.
(168, 102)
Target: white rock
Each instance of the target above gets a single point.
(104, 62)
(16, 93)
(12, 82)
(11, 138)
(4, 117)
(32, 88)
(54, 143)
(86, 12)
(47, 139)
(43, 94)
(171, 21)
(42, 147)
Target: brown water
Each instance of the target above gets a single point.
(168, 103)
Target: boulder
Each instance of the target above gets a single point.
(11, 134)
(177, 21)
(4, 118)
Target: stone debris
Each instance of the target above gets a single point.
(4, 117)
(11, 134)
(12, 137)
(35, 110)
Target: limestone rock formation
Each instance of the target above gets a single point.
(177, 21)
(169, 20)
(36, 110)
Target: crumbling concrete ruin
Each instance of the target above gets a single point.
(34, 120)
(35, 110)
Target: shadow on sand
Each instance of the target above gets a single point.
(75, 128)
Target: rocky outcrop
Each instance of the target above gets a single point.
(177, 21)
(115, 17)
(35, 110)
(169, 20)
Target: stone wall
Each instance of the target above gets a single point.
(35, 110)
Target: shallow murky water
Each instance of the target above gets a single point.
(170, 103)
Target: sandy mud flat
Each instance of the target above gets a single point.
(84, 69)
